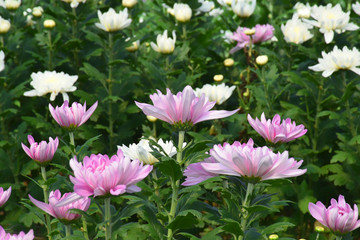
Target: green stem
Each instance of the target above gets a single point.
(175, 184)
(107, 218)
(263, 80)
(85, 230)
(184, 34)
(338, 237)
(2, 41)
(245, 205)
(67, 231)
(74, 36)
(50, 64)
(72, 142)
(46, 200)
(110, 87)
(154, 129)
(318, 109)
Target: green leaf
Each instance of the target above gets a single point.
(188, 220)
(169, 167)
(277, 227)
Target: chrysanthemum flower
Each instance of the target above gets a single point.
(330, 19)
(74, 3)
(339, 216)
(262, 33)
(99, 175)
(296, 31)
(182, 12)
(21, 236)
(51, 82)
(356, 7)
(42, 152)
(4, 195)
(243, 8)
(111, 21)
(164, 44)
(302, 10)
(338, 59)
(62, 213)
(276, 131)
(218, 93)
(182, 110)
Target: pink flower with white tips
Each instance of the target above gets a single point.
(42, 152)
(276, 131)
(72, 117)
(182, 110)
(339, 216)
(62, 213)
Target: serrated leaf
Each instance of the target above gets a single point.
(170, 168)
(277, 227)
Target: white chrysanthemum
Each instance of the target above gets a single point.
(330, 19)
(182, 12)
(74, 3)
(219, 93)
(51, 82)
(302, 10)
(356, 7)
(243, 8)
(141, 151)
(296, 31)
(225, 3)
(338, 59)
(111, 21)
(164, 44)
(206, 6)
(2, 62)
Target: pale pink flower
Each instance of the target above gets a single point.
(339, 216)
(4, 195)
(182, 110)
(100, 175)
(276, 131)
(42, 152)
(244, 160)
(21, 236)
(62, 213)
(72, 117)
(262, 33)
(195, 173)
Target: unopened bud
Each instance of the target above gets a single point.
(37, 11)
(228, 62)
(273, 237)
(134, 46)
(249, 32)
(319, 229)
(4, 26)
(129, 3)
(218, 77)
(262, 60)
(228, 2)
(151, 118)
(247, 93)
(49, 23)
(12, 4)
(212, 130)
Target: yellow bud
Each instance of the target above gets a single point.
(49, 23)
(151, 118)
(302, 239)
(4, 26)
(273, 237)
(212, 130)
(228, 2)
(249, 32)
(134, 46)
(147, 44)
(129, 3)
(247, 93)
(262, 60)
(12, 4)
(37, 11)
(218, 78)
(319, 229)
(228, 62)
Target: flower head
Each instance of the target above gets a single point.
(339, 216)
(182, 110)
(42, 152)
(164, 44)
(243, 8)
(72, 117)
(276, 131)
(196, 174)
(21, 236)
(356, 7)
(296, 31)
(129, 3)
(49, 23)
(100, 175)
(262, 33)
(338, 59)
(182, 12)
(4, 25)
(51, 82)
(218, 93)
(4, 195)
(111, 21)
(142, 150)
(12, 4)
(330, 19)
(62, 213)
(302, 10)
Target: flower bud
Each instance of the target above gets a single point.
(228, 2)
(37, 11)
(182, 12)
(273, 237)
(12, 4)
(218, 77)
(262, 60)
(247, 93)
(49, 23)
(134, 46)
(129, 3)
(151, 118)
(229, 62)
(249, 32)
(319, 229)
(4, 26)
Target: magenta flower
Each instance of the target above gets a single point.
(182, 110)
(21, 236)
(274, 131)
(244, 160)
(72, 117)
(4, 195)
(62, 213)
(263, 33)
(339, 216)
(98, 175)
(42, 152)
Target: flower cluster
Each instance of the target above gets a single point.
(21, 236)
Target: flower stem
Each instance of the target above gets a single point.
(338, 237)
(50, 64)
(72, 142)
(175, 184)
(245, 205)
(110, 87)
(107, 218)
(46, 200)
(67, 231)
(74, 36)
(85, 230)
(318, 109)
